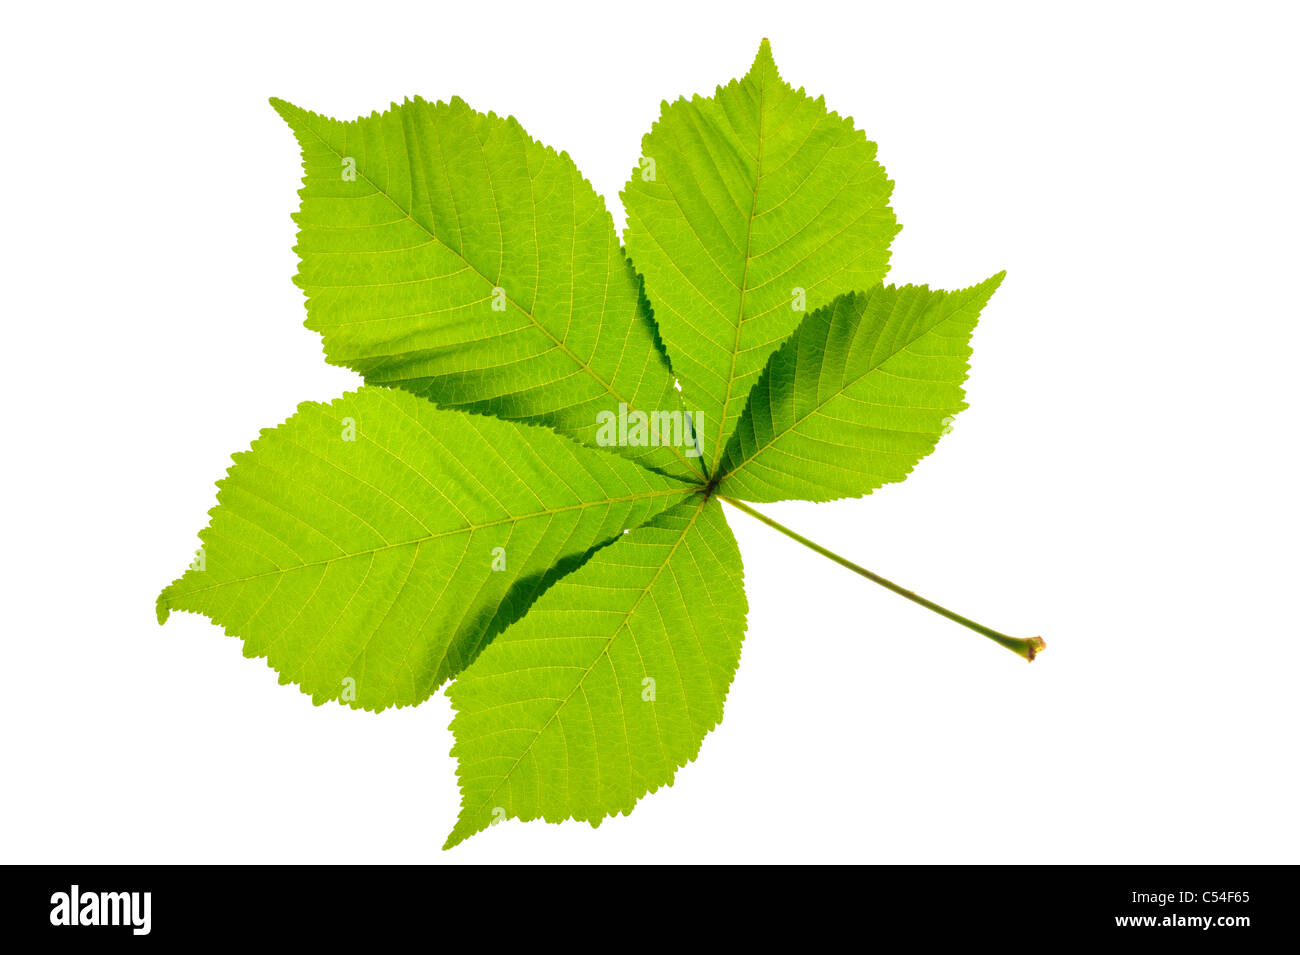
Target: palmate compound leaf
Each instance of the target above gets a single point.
(369, 547)
(862, 391)
(611, 681)
(749, 208)
(446, 252)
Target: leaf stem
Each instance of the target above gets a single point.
(1022, 646)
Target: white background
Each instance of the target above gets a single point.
(1123, 483)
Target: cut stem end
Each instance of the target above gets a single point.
(1029, 647)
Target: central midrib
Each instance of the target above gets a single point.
(744, 275)
(468, 529)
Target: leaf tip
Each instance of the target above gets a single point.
(163, 607)
(288, 112)
(763, 61)
(458, 834)
(467, 824)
